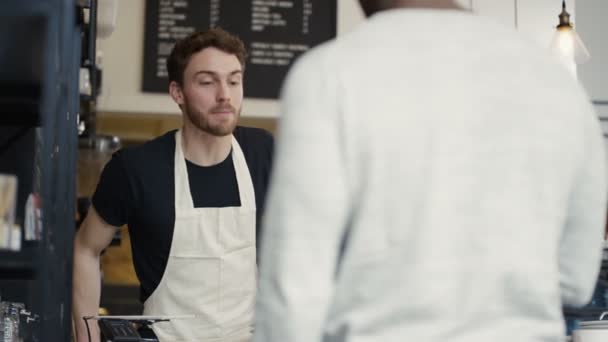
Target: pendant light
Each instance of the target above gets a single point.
(566, 41)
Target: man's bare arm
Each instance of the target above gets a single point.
(92, 238)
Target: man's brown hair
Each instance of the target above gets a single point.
(198, 41)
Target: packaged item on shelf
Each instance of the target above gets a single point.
(8, 199)
(9, 322)
(16, 238)
(84, 82)
(17, 324)
(33, 218)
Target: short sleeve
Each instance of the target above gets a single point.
(111, 197)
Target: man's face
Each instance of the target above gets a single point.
(212, 91)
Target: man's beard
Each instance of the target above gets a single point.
(218, 129)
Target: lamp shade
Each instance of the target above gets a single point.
(566, 42)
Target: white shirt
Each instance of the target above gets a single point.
(461, 168)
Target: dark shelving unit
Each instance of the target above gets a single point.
(19, 265)
(40, 47)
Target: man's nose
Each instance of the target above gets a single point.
(223, 92)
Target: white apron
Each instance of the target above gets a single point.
(211, 271)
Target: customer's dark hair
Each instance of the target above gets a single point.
(196, 42)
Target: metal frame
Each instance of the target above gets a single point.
(44, 269)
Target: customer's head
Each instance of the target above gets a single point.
(372, 6)
(206, 79)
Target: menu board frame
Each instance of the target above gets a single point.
(275, 32)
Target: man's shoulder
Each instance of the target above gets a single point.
(252, 136)
(257, 145)
(155, 151)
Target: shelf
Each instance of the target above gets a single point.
(22, 67)
(19, 103)
(39, 68)
(86, 98)
(18, 264)
(584, 312)
(84, 3)
(19, 112)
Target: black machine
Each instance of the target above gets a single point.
(125, 329)
(118, 330)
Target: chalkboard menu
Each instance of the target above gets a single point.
(275, 32)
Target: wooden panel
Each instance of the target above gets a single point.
(117, 263)
(139, 127)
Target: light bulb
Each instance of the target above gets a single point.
(567, 43)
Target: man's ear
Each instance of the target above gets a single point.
(175, 90)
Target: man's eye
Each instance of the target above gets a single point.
(205, 82)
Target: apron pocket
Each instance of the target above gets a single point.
(238, 272)
(197, 236)
(191, 287)
(237, 229)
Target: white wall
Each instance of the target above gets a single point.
(122, 52)
(592, 26)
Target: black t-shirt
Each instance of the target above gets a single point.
(136, 188)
